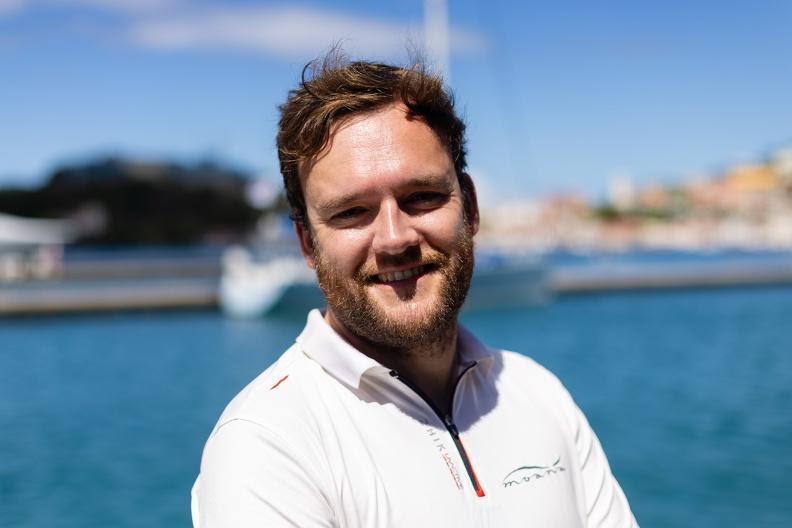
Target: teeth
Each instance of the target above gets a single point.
(399, 275)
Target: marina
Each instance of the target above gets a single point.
(633, 169)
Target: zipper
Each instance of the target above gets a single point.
(449, 424)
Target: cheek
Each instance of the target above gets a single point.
(443, 228)
(345, 250)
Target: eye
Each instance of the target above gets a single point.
(426, 199)
(348, 214)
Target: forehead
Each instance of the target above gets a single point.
(376, 151)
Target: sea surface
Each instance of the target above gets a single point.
(103, 417)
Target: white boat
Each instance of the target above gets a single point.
(251, 288)
(32, 248)
(284, 284)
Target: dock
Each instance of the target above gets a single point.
(50, 297)
(116, 285)
(604, 278)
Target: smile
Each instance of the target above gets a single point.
(400, 275)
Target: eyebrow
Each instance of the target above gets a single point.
(339, 202)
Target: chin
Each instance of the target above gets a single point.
(410, 313)
(408, 323)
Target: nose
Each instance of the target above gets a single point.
(394, 231)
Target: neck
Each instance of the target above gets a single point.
(429, 364)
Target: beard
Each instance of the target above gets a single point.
(409, 325)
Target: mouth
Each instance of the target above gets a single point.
(402, 275)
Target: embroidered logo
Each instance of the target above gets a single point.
(526, 474)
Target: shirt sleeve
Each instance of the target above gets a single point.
(606, 504)
(251, 477)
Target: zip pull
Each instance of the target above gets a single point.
(450, 425)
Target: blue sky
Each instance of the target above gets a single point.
(559, 96)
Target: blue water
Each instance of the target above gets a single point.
(102, 418)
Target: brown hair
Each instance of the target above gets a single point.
(336, 89)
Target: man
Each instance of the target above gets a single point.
(386, 412)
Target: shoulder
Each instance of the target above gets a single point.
(264, 458)
(279, 400)
(527, 370)
(524, 379)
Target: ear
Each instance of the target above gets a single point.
(306, 244)
(472, 205)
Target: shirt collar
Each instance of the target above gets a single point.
(321, 343)
(470, 348)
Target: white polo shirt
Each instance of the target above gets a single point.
(329, 437)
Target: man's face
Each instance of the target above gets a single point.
(389, 238)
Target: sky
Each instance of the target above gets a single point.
(559, 97)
